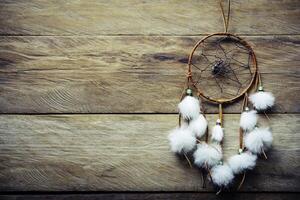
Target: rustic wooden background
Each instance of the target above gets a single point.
(88, 93)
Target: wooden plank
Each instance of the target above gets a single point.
(155, 196)
(124, 74)
(128, 153)
(171, 17)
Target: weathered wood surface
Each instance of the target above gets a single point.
(130, 57)
(156, 196)
(127, 153)
(120, 74)
(172, 17)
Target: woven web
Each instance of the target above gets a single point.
(222, 67)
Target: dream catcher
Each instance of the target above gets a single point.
(222, 68)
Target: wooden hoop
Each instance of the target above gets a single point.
(246, 44)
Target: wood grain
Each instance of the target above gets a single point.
(127, 153)
(74, 58)
(122, 74)
(156, 196)
(171, 17)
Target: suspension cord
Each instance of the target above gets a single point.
(241, 132)
(225, 20)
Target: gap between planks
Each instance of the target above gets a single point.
(137, 113)
(153, 195)
(148, 35)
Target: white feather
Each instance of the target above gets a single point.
(248, 120)
(198, 126)
(267, 137)
(189, 107)
(209, 155)
(241, 162)
(259, 139)
(181, 140)
(222, 175)
(262, 100)
(254, 142)
(217, 133)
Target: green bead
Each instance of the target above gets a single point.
(189, 92)
(260, 88)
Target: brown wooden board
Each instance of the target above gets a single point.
(125, 61)
(171, 17)
(124, 74)
(128, 153)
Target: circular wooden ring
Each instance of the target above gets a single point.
(246, 44)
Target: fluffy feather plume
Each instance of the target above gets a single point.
(189, 107)
(248, 120)
(198, 126)
(262, 100)
(222, 175)
(217, 133)
(259, 139)
(241, 162)
(181, 140)
(267, 137)
(253, 141)
(207, 155)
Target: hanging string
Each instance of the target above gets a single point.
(221, 118)
(258, 83)
(261, 85)
(242, 181)
(186, 85)
(259, 78)
(225, 20)
(241, 132)
(188, 160)
(221, 114)
(206, 134)
(183, 94)
(241, 136)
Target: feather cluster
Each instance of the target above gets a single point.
(207, 155)
(258, 140)
(222, 175)
(189, 107)
(248, 120)
(182, 140)
(198, 126)
(262, 100)
(241, 162)
(217, 133)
